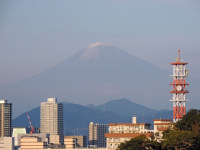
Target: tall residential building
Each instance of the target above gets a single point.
(51, 120)
(5, 118)
(97, 135)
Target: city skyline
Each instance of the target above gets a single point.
(113, 65)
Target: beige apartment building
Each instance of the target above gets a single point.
(69, 143)
(161, 125)
(51, 120)
(79, 141)
(31, 142)
(5, 118)
(122, 132)
(133, 127)
(115, 139)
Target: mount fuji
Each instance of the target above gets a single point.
(94, 75)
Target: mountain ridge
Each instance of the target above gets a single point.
(77, 117)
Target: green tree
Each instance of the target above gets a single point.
(179, 140)
(140, 143)
(190, 122)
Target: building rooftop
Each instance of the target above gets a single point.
(128, 135)
(51, 100)
(163, 123)
(162, 120)
(128, 124)
(3, 101)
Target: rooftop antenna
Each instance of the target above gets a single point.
(179, 55)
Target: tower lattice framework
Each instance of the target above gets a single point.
(179, 88)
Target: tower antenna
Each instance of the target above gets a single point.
(179, 88)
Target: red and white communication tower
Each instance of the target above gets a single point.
(179, 88)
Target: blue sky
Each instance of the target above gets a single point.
(36, 35)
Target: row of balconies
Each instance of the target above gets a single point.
(113, 140)
(127, 129)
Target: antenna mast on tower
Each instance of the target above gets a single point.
(179, 88)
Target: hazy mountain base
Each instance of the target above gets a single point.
(78, 117)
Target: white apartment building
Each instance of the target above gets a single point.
(51, 120)
(17, 134)
(122, 132)
(133, 127)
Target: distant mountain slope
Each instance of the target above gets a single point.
(93, 76)
(77, 117)
(126, 109)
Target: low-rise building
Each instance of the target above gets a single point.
(115, 139)
(161, 125)
(133, 127)
(80, 141)
(122, 132)
(32, 142)
(69, 142)
(54, 139)
(6, 143)
(17, 134)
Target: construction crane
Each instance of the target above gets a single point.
(32, 127)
